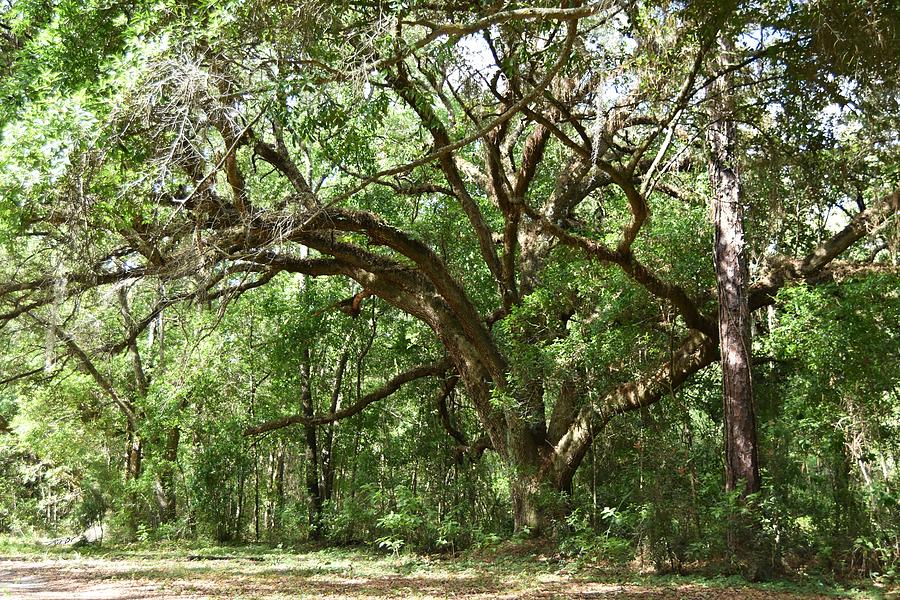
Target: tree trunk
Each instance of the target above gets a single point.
(328, 463)
(844, 530)
(312, 453)
(540, 494)
(279, 490)
(528, 515)
(165, 481)
(741, 452)
(239, 509)
(741, 447)
(134, 456)
(540, 485)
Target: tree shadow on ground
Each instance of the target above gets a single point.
(77, 580)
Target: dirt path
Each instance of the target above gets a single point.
(165, 579)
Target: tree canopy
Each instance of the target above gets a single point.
(372, 245)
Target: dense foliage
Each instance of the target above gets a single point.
(427, 274)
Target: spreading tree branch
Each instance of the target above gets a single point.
(391, 386)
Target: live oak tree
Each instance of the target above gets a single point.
(502, 174)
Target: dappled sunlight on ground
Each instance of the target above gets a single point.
(278, 577)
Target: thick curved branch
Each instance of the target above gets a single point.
(637, 203)
(431, 275)
(688, 309)
(675, 294)
(404, 86)
(785, 270)
(695, 352)
(381, 393)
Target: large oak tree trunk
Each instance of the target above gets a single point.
(527, 512)
(542, 461)
(529, 489)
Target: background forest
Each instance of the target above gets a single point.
(429, 275)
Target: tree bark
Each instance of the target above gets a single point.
(312, 452)
(134, 455)
(327, 454)
(279, 489)
(741, 452)
(528, 514)
(735, 342)
(166, 499)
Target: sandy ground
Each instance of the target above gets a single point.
(155, 579)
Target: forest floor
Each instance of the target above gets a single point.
(27, 573)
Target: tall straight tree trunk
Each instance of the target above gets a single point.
(327, 454)
(239, 509)
(134, 455)
(741, 445)
(741, 454)
(313, 487)
(165, 482)
(279, 489)
(166, 493)
(312, 451)
(133, 469)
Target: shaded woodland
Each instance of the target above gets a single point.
(433, 275)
